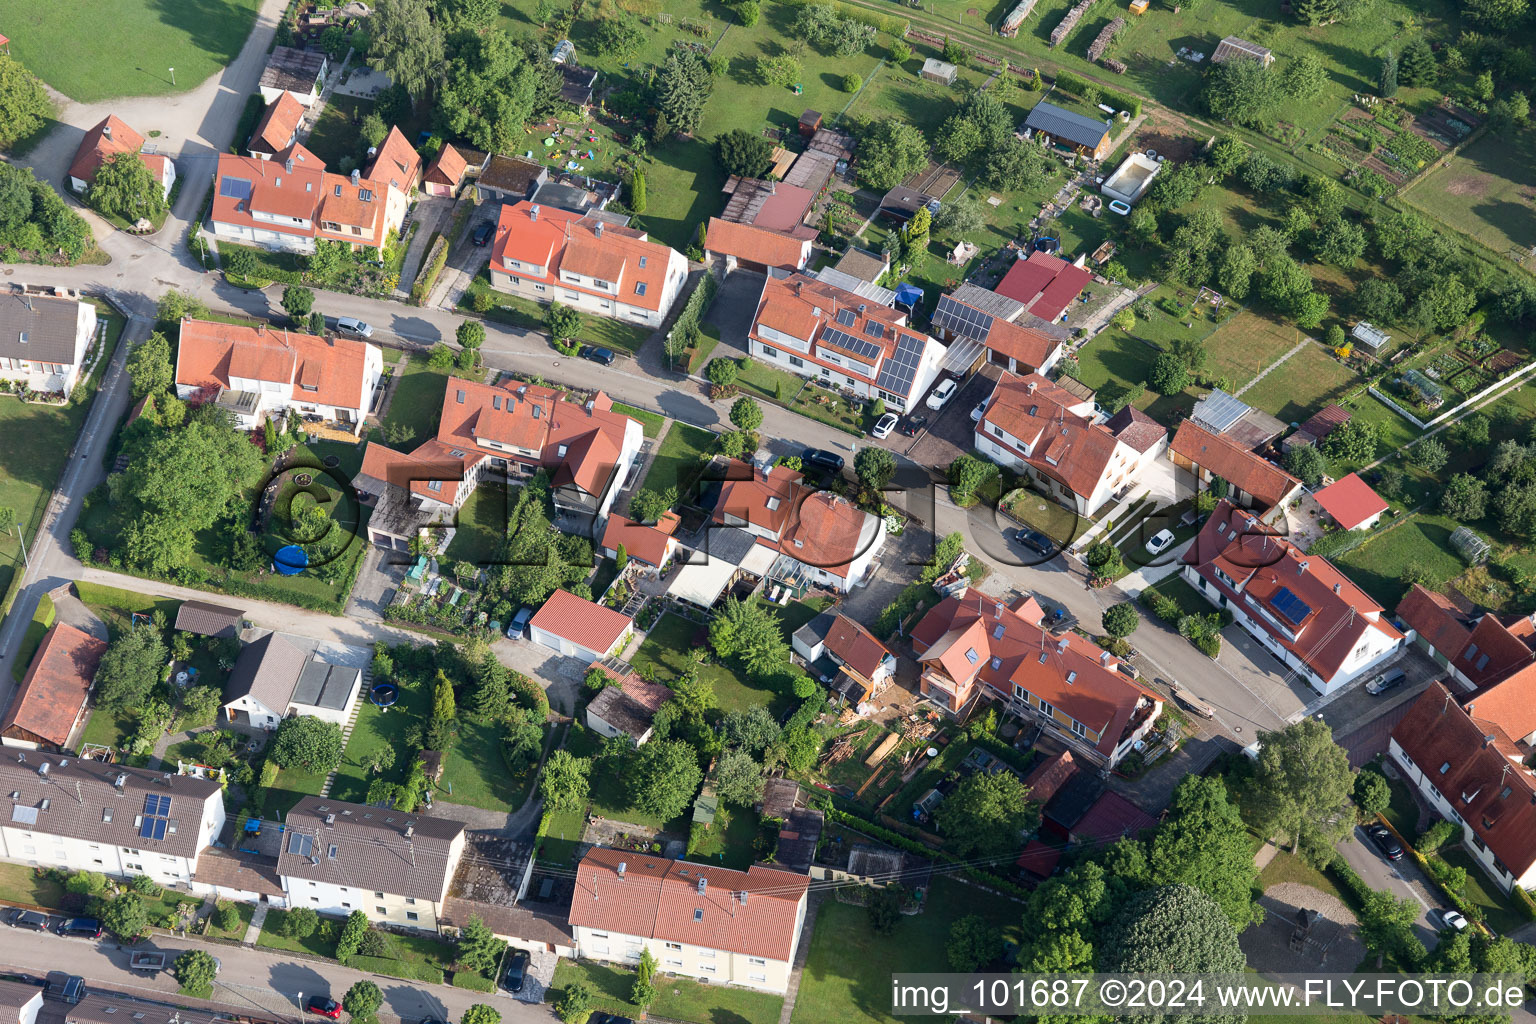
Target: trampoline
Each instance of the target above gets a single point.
(384, 695)
(1047, 245)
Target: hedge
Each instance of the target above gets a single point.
(886, 23)
(437, 259)
(698, 304)
(529, 693)
(1020, 762)
(1075, 84)
(246, 126)
(860, 824)
(115, 597)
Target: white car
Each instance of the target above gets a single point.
(1453, 919)
(978, 412)
(1160, 541)
(942, 394)
(883, 428)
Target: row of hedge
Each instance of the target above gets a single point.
(887, 23)
(1077, 84)
(699, 301)
(426, 278)
(858, 823)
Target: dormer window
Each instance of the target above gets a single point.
(309, 387)
(338, 191)
(639, 287)
(560, 452)
(642, 262)
(971, 655)
(434, 485)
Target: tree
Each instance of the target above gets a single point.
(1465, 498)
(1226, 155)
(478, 947)
(901, 52)
(195, 969)
(637, 200)
(1472, 431)
(1306, 463)
(470, 334)
(748, 154)
(649, 506)
(889, 151)
(481, 1013)
(1339, 242)
(1353, 441)
(683, 89)
(309, 743)
(575, 1003)
(1386, 77)
(1301, 787)
(1317, 12)
(966, 474)
(1304, 77)
(1121, 620)
(782, 70)
(746, 414)
(565, 781)
(748, 631)
(1172, 929)
(1242, 91)
(125, 917)
(874, 467)
(126, 188)
(973, 944)
(1496, 15)
(300, 923)
(1203, 842)
(664, 777)
(883, 904)
(962, 217)
(563, 322)
(351, 938)
(1372, 793)
(1169, 375)
(298, 301)
(1016, 166)
(24, 103)
(362, 1001)
(440, 358)
(987, 815)
(407, 46)
(752, 729)
(1386, 926)
(227, 916)
(1378, 299)
(489, 89)
(1429, 454)
(1416, 64)
(723, 372)
(1238, 265)
(748, 12)
(130, 668)
(373, 129)
(150, 367)
(739, 778)
(643, 992)
(853, 82)
(200, 706)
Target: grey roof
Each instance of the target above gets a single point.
(325, 686)
(934, 66)
(513, 175)
(1063, 124)
(267, 670)
(99, 1007)
(377, 848)
(576, 83)
(82, 812)
(815, 631)
(866, 266)
(1218, 410)
(238, 871)
(799, 837)
(563, 197)
(863, 289)
(780, 796)
(208, 619)
(977, 297)
(292, 69)
(49, 324)
(513, 922)
(621, 711)
(727, 543)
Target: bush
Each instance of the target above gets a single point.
(300, 923)
(227, 917)
(146, 886)
(437, 259)
(853, 82)
(1436, 836)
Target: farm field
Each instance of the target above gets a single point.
(1485, 192)
(130, 52)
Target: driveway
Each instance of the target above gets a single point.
(950, 433)
(733, 309)
(1403, 880)
(1353, 709)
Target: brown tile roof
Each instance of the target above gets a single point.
(515, 922)
(278, 124)
(856, 646)
(1435, 618)
(582, 622)
(1324, 422)
(1064, 444)
(398, 853)
(108, 138)
(208, 619)
(756, 245)
(396, 163)
(1050, 775)
(646, 543)
(630, 706)
(233, 871)
(447, 168)
(1267, 482)
(54, 690)
(828, 532)
(679, 901)
(765, 500)
(1509, 703)
(1485, 781)
(1492, 652)
(1133, 427)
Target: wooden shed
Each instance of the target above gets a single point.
(810, 121)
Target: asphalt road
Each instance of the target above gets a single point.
(1402, 880)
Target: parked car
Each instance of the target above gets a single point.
(31, 920)
(519, 625)
(980, 411)
(1035, 541)
(353, 326)
(1385, 841)
(484, 232)
(324, 1006)
(597, 354)
(1160, 541)
(1385, 681)
(941, 395)
(517, 970)
(81, 928)
(886, 424)
(1453, 919)
(819, 460)
(914, 425)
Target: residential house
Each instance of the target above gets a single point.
(276, 678)
(1253, 482)
(1236, 420)
(585, 262)
(397, 163)
(21, 998)
(818, 330)
(975, 647)
(44, 339)
(1436, 623)
(1350, 502)
(845, 656)
(1233, 48)
(650, 545)
(1300, 607)
(1035, 427)
(395, 867)
(78, 814)
(535, 929)
(504, 432)
(293, 72)
(278, 128)
(1046, 285)
(445, 173)
(1467, 765)
(257, 372)
(510, 179)
(230, 875)
(108, 139)
(699, 921)
(1478, 651)
(628, 707)
(747, 247)
(983, 320)
(51, 703)
(579, 628)
(288, 202)
(1074, 132)
(207, 619)
(726, 557)
(822, 539)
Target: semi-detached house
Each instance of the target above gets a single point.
(699, 921)
(44, 339)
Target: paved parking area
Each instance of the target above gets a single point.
(1354, 709)
(733, 309)
(950, 432)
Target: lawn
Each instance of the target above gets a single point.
(42, 621)
(609, 797)
(1483, 192)
(337, 139)
(35, 442)
(1377, 565)
(1185, 596)
(650, 422)
(292, 785)
(562, 836)
(525, 313)
(666, 649)
(1245, 344)
(480, 528)
(22, 884)
(475, 773)
(677, 998)
(64, 45)
(847, 978)
(1304, 383)
(1051, 518)
(417, 403)
(317, 943)
(245, 910)
(731, 845)
(1500, 912)
(679, 459)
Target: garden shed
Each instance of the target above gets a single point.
(936, 70)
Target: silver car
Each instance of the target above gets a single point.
(353, 326)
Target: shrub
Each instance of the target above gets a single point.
(853, 82)
(1434, 837)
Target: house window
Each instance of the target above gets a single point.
(381, 911)
(346, 906)
(411, 915)
(538, 288)
(759, 978)
(515, 280)
(410, 901)
(708, 954)
(674, 945)
(1079, 729)
(378, 895)
(642, 262)
(314, 899)
(673, 963)
(698, 914)
(434, 485)
(599, 935)
(756, 961)
(770, 352)
(1045, 708)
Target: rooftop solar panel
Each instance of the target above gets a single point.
(234, 188)
(898, 372)
(961, 319)
(865, 350)
(1291, 608)
(874, 328)
(846, 317)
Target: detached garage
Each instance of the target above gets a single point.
(579, 628)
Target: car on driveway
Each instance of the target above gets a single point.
(517, 970)
(1035, 541)
(980, 411)
(484, 232)
(1385, 841)
(597, 354)
(819, 460)
(914, 425)
(353, 326)
(29, 920)
(323, 1006)
(1392, 677)
(1159, 542)
(942, 394)
(1453, 919)
(883, 428)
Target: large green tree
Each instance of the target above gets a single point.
(362, 1001)
(125, 188)
(1242, 91)
(739, 778)
(565, 781)
(130, 668)
(1174, 929)
(1204, 843)
(195, 970)
(890, 150)
(24, 103)
(745, 153)
(488, 91)
(125, 917)
(308, 743)
(749, 631)
(683, 87)
(1301, 788)
(987, 815)
(150, 366)
(664, 775)
(751, 729)
(407, 45)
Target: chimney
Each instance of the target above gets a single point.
(1061, 645)
(330, 821)
(410, 830)
(261, 327)
(42, 769)
(120, 781)
(704, 882)
(1338, 587)
(1487, 742)
(1030, 387)
(999, 609)
(622, 866)
(597, 230)
(106, 130)
(356, 175)
(533, 211)
(1301, 568)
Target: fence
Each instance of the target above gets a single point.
(1468, 403)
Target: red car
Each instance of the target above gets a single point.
(325, 1006)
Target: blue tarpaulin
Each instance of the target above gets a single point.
(290, 560)
(909, 294)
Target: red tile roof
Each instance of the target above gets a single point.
(1039, 859)
(1135, 428)
(1436, 619)
(447, 168)
(1485, 781)
(756, 245)
(108, 138)
(326, 371)
(646, 543)
(1350, 501)
(1267, 482)
(1113, 817)
(1492, 652)
(678, 901)
(278, 124)
(1049, 776)
(55, 688)
(396, 162)
(828, 532)
(1032, 348)
(582, 622)
(557, 239)
(765, 500)
(1047, 420)
(1339, 614)
(1325, 421)
(1045, 284)
(855, 646)
(307, 196)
